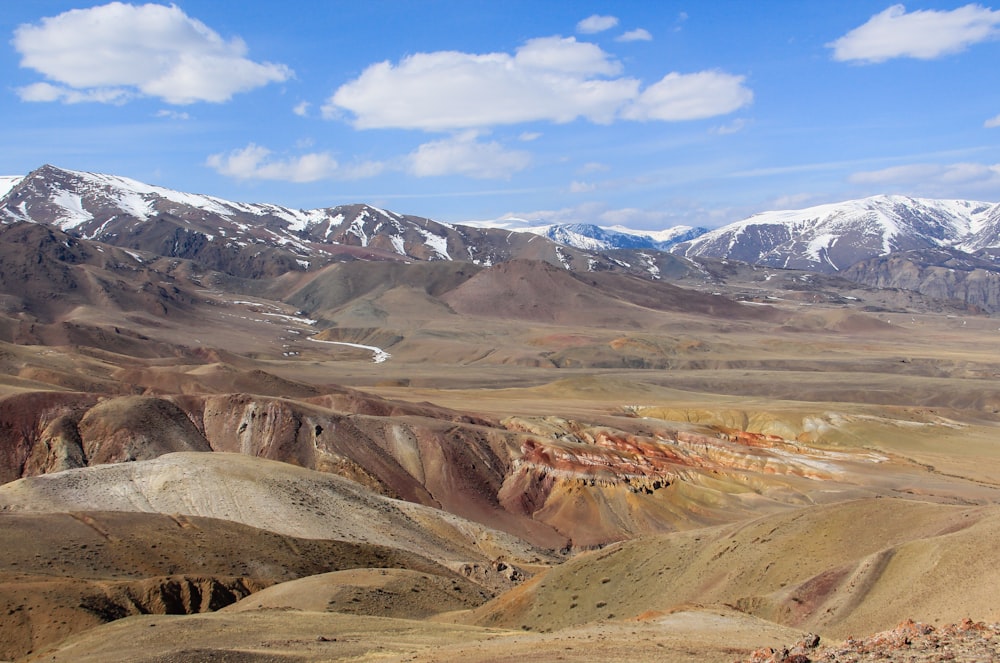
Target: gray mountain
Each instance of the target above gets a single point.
(945, 273)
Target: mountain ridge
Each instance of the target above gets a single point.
(832, 237)
(262, 240)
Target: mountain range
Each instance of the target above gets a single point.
(258, 240)
(940, 248)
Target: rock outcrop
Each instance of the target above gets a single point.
(583, 479)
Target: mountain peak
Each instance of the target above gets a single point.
(833, 236)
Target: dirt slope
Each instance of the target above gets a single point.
(837, 569)
(269, 495)
(282, 636)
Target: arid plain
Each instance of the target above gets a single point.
(566, 467)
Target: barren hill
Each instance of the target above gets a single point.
(840, 569)
(268, 495)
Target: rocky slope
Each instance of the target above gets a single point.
(909, 641)
(945, 274)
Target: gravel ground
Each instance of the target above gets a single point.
(909, 642)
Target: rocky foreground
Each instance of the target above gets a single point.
(910, 641)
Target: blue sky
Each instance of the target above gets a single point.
(647, 114)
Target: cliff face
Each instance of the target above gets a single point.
(944, 274)
(547, 480)
(422, 454)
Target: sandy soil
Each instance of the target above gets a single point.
(263, 636)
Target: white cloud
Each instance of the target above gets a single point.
(690, 97)
(49, 92)
(582, 187)
(116, 51)
(565, 55)
(896, 174)
(594, 167)
(992, 123)
(736, 126)
(596, 23)
(935, 180)
(795, 201)
(254, 162)
(172, 114)
(465, 155)
(922, 34)
(639, 34)
(301, 109)
(528, 136)
(548, 79)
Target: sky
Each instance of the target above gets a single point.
(636, 113)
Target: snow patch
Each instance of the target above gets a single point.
(8, 182)
(563, 258)
(72, 205)
(378, 354)
(437, 244)
(292, 318)
(651, 266)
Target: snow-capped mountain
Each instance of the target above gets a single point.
(597, 238)
(260, 240)
(829, 238)
(591, 237)
(123, 211)
(255, 239)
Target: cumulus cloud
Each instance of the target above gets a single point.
(690, 97)
(547, 79)
(466, 155)
(922, 34)
(596, 23)
(301, 109)
(117, 51)
(639, 34)
(937, 180)
(992, 123)
(255, 162)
